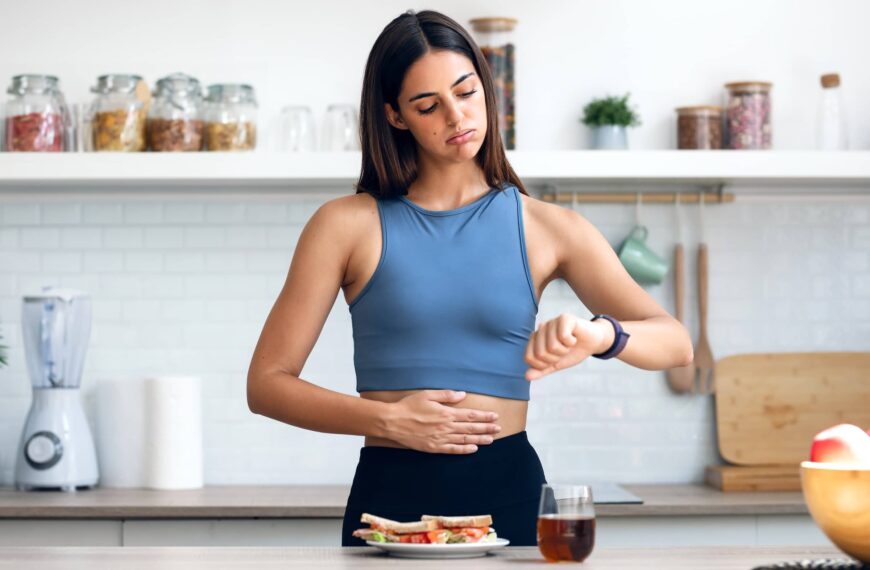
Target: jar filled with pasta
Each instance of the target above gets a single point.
(37, 117)
(118, 113)
(230, 117)
(175, 120)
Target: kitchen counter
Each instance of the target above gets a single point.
(327, 501)
(311, 515)
(728, 558)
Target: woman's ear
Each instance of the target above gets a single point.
(394, 118)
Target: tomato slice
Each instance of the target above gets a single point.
(420, 538)
(474, 533)
(438, 536)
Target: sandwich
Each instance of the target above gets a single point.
(430, 529)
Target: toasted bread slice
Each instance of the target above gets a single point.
(399, 527)
(460, 522)
(369, 533)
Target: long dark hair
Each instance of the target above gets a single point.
(389, 155)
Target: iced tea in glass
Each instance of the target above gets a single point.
(566, 523)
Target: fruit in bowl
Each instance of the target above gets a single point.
(844, 443)
(836, 487)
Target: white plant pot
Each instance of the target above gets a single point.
(610, 137)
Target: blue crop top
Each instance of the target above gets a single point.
(451, 304)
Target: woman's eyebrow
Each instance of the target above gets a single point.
(455, 83)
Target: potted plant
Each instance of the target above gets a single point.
(609, 119)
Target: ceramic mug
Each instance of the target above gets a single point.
(643, 264)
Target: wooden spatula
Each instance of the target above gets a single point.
(682, 378)
(704, 362)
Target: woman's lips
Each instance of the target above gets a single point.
(460, 139)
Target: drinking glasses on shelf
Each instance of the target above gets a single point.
(296, 129)
(340, 128)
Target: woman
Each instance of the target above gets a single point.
(442, 257)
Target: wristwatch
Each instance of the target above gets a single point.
(620, 339)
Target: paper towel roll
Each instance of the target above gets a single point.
(173, 441)
(121, 432)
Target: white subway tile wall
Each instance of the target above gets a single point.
(183, 286)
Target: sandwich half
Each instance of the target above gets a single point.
(429, 530)
(465, 529)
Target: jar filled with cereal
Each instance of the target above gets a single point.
(495, 37)
(175, 120)
(37, 117)
(118, 113)
(699, 128)
(748, 115)
(230, 117)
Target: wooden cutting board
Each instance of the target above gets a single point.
(769, 406)
(754, 477)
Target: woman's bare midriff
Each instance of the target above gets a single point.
(511, 413)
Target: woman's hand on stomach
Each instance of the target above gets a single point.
(446, 421)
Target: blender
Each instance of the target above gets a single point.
(56, 450)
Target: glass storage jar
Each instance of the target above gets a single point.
(37, 117)
(175, 120)
(495, 37)
(748, 116)
(230, 117)
(699, 128)
(118, 114)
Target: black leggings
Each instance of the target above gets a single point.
(502, 479)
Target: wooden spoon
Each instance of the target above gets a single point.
(704, 360)
(682, 378)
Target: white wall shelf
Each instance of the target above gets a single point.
(740, 171)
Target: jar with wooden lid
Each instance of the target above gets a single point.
(495, 38)
(748, 116)
(175, 120)
(230, 117)
(117, 116)
(37, 117)
(699, 127)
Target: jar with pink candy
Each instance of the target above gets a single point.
(748, 119)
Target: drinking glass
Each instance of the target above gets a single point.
(566, 523)
(340, 128)
(296, 129)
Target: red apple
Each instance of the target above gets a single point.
(844, 443)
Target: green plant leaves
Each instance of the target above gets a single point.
(611, 110)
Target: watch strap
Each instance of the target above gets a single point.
(620, 338)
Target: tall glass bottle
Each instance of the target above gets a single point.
(831, 125)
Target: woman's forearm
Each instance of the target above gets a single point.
(292, 400)
(656, 343)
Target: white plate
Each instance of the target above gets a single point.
(457, 550)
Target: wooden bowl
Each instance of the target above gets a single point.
(838, 497)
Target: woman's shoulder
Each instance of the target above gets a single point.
(347, 212)
(342, 222)
(549, 214)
